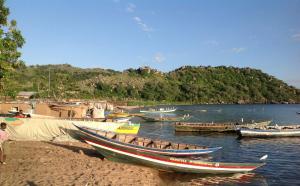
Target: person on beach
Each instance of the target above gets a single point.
(3, 139)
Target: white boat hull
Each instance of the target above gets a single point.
(269, 133)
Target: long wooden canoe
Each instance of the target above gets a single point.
(115, 152)
(216, 127)
(162, 147)
(271, 131)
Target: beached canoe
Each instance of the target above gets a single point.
(148, 145)
(216, 127)
(160, 110)
(271, 131)
(115, 151)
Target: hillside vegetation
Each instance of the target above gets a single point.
(187, 84)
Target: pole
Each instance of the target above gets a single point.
(49, 84)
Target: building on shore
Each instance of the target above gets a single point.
(57, 109)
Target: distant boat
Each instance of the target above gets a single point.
(216, 127)
(160, 110)
(272, 131)
(112, 149)
(298, 112)
(165, 118)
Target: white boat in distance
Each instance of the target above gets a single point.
(160, 110)
(272, 131)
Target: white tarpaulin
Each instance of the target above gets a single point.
(50, 129)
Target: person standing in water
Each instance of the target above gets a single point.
(3, 139)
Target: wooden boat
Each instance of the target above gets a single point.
(113, 150)
(271, 131)
(165, 118)
(216, 127)
(160, 110)
(121, 120)
(142, 144)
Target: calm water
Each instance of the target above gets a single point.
(283, 163)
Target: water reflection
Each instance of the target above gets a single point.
(270, 141)
(208, 179)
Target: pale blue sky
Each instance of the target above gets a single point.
(165, 35)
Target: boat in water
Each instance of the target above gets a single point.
(142, 144)
(115, 151)
(271, 131)
(216, 127)
(165, 118)
(160, 110)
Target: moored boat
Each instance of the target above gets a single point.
(271, 131)
(216, 127)
(164, 118)
(142, 144)
(160, 110)
(115, 152)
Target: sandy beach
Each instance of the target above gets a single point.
(36, 163)
(68, 163)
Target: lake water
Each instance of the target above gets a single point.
(283, 163)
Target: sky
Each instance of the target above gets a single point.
(121, 34)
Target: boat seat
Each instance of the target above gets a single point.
(175, 146)
(157, 144)
(130, 139)
(148, 142)
(166, 145)
(121, 137)
(111, 135)
(182, 146)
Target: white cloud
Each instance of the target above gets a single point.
(142, 25)
(130, 7)
(238, 50)
(159, 58)
(296, 37)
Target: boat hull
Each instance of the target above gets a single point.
(158, 111)
(215, 127)
(268, 133)
(168, 163)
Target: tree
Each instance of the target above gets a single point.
(11, 40)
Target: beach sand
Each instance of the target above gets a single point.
(68, 163)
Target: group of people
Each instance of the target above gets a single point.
(3, 140)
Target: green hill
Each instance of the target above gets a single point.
(187, 84)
